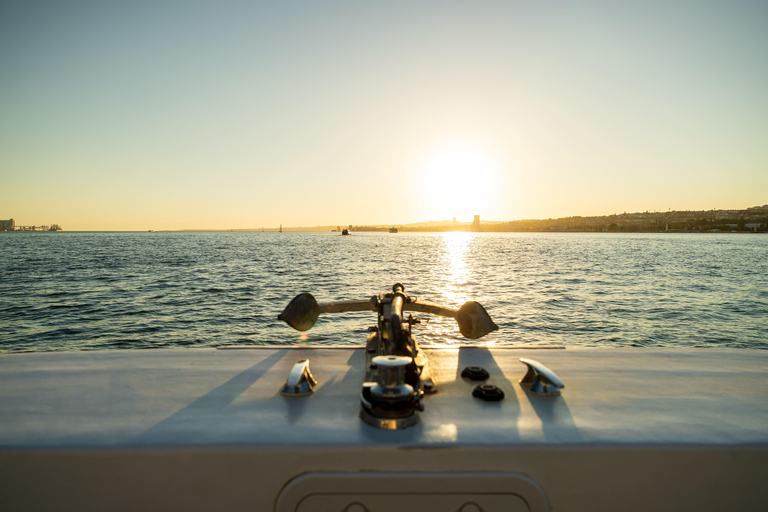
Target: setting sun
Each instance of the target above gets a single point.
(459, 180)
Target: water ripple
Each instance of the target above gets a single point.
(86, 291)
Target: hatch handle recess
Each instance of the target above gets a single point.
(300, 381)
(541, 379)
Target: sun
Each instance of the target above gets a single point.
(458, 180)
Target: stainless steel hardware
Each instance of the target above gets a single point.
(389, 403)
(394, 387)
(391, 383)
(541, 379)
(300, 381)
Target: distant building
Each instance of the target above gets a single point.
(7, 225)
(476, 223)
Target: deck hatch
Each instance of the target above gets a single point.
(411, 492)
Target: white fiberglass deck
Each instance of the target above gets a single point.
(634, 429)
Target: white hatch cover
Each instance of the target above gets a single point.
(411, 492)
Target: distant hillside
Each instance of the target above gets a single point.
(753, 219)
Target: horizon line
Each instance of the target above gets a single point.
(424, 223)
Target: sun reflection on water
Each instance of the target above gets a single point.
(454, 252)
(454, 271)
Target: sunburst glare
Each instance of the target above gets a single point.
(458, 180)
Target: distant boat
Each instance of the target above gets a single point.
(344, 231)
(281, 228)
(393, 230)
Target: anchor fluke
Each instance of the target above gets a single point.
(474, 321)
(301, 313)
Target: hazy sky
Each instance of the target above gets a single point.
(182, 114)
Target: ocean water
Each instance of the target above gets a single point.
(84, 291)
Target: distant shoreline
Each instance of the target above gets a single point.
(749, 220)
(670, 232)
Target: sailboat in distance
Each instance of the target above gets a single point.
(281, 228)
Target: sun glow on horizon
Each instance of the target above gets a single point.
(459, 180)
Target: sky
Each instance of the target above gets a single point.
(230, 115)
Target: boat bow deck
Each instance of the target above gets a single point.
(662, 427)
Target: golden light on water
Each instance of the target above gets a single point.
(454, 272)
(454, 250)
(459, 277)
